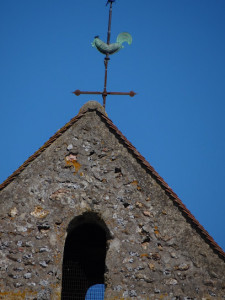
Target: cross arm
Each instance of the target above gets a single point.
(78, 93)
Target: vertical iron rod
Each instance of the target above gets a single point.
(104, 94)
(109, 24)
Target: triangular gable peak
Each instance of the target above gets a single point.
(95, 106)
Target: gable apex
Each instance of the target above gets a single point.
(92, 105)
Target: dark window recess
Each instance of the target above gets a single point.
(84, 262)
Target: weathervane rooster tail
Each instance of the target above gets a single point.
(124, 37)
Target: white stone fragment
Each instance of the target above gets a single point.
(70, 147)
(44, 282)
(27, 275)
(13, 212)
(171, 281)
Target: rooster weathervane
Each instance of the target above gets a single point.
(109, 49)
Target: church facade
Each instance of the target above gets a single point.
(87, 210)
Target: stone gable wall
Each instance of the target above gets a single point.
(153, 252)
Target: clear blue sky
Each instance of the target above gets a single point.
(176, 64)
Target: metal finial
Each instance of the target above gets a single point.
(110, 1)
(109, 49)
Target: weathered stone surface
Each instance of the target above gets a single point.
(152, 251)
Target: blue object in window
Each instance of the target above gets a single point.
(95, 292)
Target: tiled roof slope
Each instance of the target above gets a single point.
(189, 217)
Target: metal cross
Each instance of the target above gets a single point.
(105, 93)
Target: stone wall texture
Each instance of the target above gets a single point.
(153, 252)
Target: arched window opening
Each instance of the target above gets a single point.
(84, 263)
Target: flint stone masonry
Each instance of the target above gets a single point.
(153, 252)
